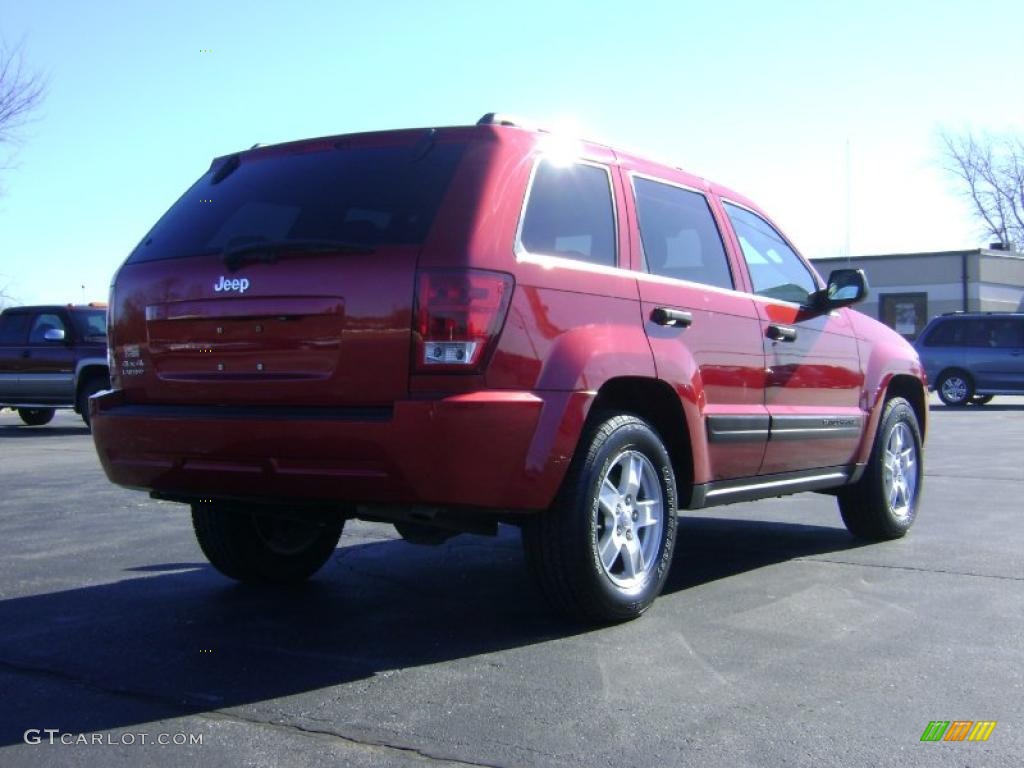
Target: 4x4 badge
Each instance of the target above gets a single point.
(240, 284)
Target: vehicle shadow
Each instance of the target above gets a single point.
(173, 639)
(23, 430)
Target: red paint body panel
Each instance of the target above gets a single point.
(482, 450)
(818, 374)
(216, 392)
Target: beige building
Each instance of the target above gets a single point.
(908, 289)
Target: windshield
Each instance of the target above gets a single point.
(364, 196)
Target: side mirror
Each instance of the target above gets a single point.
(845, 287)
(54, 334)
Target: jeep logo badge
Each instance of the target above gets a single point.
(240, 284)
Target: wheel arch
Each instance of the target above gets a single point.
(87, 370)
(900, 384)
(89, 367)
(654, 401)
(911, 389)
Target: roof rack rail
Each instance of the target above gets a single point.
(499, 118)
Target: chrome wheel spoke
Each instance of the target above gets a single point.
(629, 483)
(609, 498)
(630, 518)
(608, 548)
(649, 513)
(632, 559)
(889, 464)
(900, 469)
(908, 460)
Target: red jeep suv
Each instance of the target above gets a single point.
(450, 328)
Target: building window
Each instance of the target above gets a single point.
(905, 313)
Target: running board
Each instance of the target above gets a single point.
(750, 488)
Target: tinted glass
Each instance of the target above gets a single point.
(90, 324)
(993, 333)
(948, 333)
(570, 214)
(775, 269)
(364, 196)
(679, 235)
(14, 328)
(42, 324)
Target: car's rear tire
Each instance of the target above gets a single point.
(883, 503)
(955, 388)
(95, 383)
(36, 417)
(260, 548)
(603, 550)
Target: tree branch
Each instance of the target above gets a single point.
(991, 173)
(21, 92)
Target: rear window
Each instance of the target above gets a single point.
(14, 327)
(90, 324)
(365, 196)
(570, 213)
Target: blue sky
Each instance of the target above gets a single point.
(763, 97)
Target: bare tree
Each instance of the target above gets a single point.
(6, 298)
(21, 91)
(991, 172)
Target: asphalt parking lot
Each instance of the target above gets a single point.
(780, 640)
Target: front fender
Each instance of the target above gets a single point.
(885, 356)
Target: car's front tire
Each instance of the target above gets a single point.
(36, 417)
(883, 503)
(603, 550)
(262, 548)
(955, 388)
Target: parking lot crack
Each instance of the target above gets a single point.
(373, 746)
(180, 708)
(910, 568)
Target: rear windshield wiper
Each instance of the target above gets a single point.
(268, 251)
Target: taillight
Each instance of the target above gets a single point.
(459, 314)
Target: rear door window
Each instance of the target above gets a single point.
(993, 333)
(14, 328)
(679, 235)
(570, 213)
(364, 196)
(775, 269)
(91, 324)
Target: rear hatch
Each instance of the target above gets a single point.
(284, 276)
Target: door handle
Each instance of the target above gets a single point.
(781, 333)
(673, 317)
(26, 353)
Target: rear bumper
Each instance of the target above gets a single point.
(494, 449)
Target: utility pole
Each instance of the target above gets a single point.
(847, 200)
